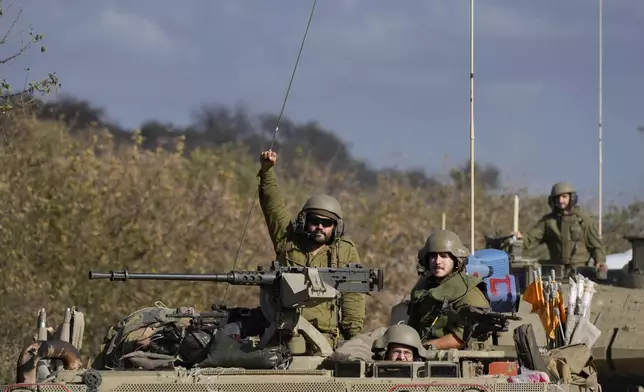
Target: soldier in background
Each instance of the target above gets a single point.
(316, 239)
(569, 232)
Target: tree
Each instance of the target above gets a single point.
(220, 124)
(76, 113)
(488, 177)
(23, 97)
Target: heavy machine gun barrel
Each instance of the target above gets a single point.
(353, 278)
(284, 291)
(253, 278)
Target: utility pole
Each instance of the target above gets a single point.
(472, 126)
(600, 121)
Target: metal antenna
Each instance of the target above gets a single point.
(600, 124)
(472, 126)
(279, 120)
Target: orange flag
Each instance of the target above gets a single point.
(548, 320)
(542, 299)
(534, 296)
(531, 296)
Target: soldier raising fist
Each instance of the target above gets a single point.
(314, 237)
(268, 159)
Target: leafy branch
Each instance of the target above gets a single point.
(10, 98)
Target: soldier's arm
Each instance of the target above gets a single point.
(535, 235)
(445, 342)
(273, 207)
(353, 304)
(594, 243)
(456, 337)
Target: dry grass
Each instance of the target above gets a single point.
(70, 206)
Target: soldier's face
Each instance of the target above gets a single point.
(320, 227)
(441, 264)
(564, 201)
(399, 352)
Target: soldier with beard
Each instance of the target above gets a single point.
(569, 232)
(315, 238)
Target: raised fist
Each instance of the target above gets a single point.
(268, 159)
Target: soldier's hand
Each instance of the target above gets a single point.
(518, 235)
(601, 271)
(428, 345)
(268, 159)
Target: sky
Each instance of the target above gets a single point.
(391, 78)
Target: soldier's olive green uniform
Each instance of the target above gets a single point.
(289, 250)
(459, 289)
(571, 239)
(427, 298)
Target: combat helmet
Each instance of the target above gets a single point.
(561, 188)
(399, 334)
(444, 241)
(323, 205)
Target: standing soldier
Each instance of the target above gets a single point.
(569, 232)
(315, 238)
(444, 256)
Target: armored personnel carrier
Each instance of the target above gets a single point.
(273, 348)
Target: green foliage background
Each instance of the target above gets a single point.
(74, 199)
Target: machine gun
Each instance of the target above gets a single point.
(284, 291)
(479, 322)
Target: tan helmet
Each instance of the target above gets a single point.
(443, 241)
(323, 205)
(399, 334)
(561, 188)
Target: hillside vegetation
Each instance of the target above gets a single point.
(76, 198)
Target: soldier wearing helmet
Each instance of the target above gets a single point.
(444, 258)
(400, 342)
(314, 238)
(569, 232)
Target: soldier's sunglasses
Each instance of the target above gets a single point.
(317, 220)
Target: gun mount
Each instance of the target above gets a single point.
(479, 323)
(284, 291)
